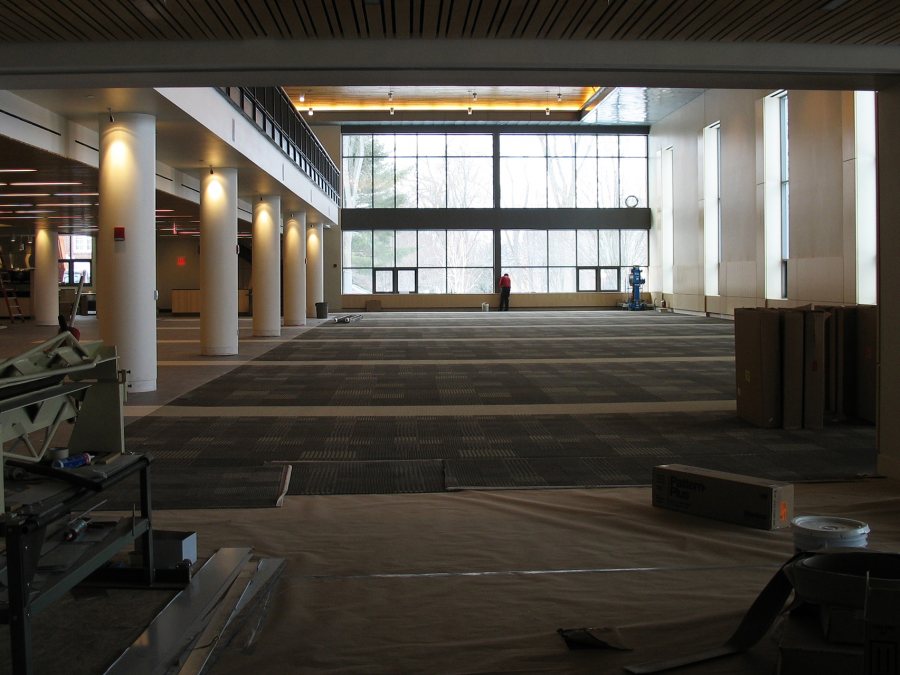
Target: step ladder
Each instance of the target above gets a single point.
(10, 298)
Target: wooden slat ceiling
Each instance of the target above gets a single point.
(857, 22)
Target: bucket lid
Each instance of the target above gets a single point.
(829, 527)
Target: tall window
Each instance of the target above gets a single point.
(573, 171)
(712, 207)
(418, 171)
(457, 170)
(566, 261)
(785, 190)
(75, 258)
(866, 198)
(418, 261)
(776, 193)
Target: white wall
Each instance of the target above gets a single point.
(821, 253)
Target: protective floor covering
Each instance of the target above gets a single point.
(384, 477)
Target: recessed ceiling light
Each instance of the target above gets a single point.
(25, 194)
(76, 194)
(37, 211)
(164, 210)
(68, 204)
(17, 170)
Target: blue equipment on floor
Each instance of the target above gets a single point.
(636, 281)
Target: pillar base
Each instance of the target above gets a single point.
(295, 322)
(267, 333)
(218, 351)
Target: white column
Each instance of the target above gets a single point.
(126, 244)
(218, 263)
(266, 281)
(45, 290)
(295, 270)
(315, 268)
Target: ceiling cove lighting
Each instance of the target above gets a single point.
(68, 204)
(41, 183)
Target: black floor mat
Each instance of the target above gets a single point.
(385, 477)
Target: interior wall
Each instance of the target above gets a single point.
(820, 254)
(170, 275)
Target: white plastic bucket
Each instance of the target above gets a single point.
(485, 307)
(816, 533)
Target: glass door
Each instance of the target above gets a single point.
(384, 281)
(406, 281)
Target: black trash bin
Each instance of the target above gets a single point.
(321, 310)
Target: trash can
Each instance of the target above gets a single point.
(321, 310)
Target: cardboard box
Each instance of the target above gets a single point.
(731, 497)
(757, 360)
(792, 370)
(866, 360)
(814, 366)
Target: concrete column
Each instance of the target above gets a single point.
(888, 377)
(295, 270)
(218, 263)
(266, 282)
(45, 289)
(315, 268)
(126, 244)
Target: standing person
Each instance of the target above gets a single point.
(505, 287)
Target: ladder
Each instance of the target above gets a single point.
(10, 298)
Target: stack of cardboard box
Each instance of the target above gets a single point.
(795, 367)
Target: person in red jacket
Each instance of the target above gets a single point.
(505, 287)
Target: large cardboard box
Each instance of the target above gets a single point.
(757, 360)
(866, 356)
(734, 498)
(814, 366)
(792, 370)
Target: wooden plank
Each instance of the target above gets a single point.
(429, 17)
(375, 20)
(323, 25)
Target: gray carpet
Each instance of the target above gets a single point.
(232, 456)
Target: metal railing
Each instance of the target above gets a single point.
(270, 109)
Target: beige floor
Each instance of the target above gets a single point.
(479, 582)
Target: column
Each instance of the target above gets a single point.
(266, 273)
(888, 367)
(218, 263)
(295, 270)
(45, 290)
(126, 244)
(315, 268)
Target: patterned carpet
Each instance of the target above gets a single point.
(355, 420)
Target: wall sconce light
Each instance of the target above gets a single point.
(392, 110)
(546, 111)
(210, 170)
(111, 117)
(470, 110)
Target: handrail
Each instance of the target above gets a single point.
(270, 109)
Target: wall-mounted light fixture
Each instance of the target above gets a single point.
(546, 111)
(474, 95)
(310, 111)
(392, 110)
(390, 95)
(111, 117)
(302, 97)
(470, 110)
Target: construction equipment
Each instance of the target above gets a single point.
(13, 308)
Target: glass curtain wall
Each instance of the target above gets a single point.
(567, 261)
(418, 261)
